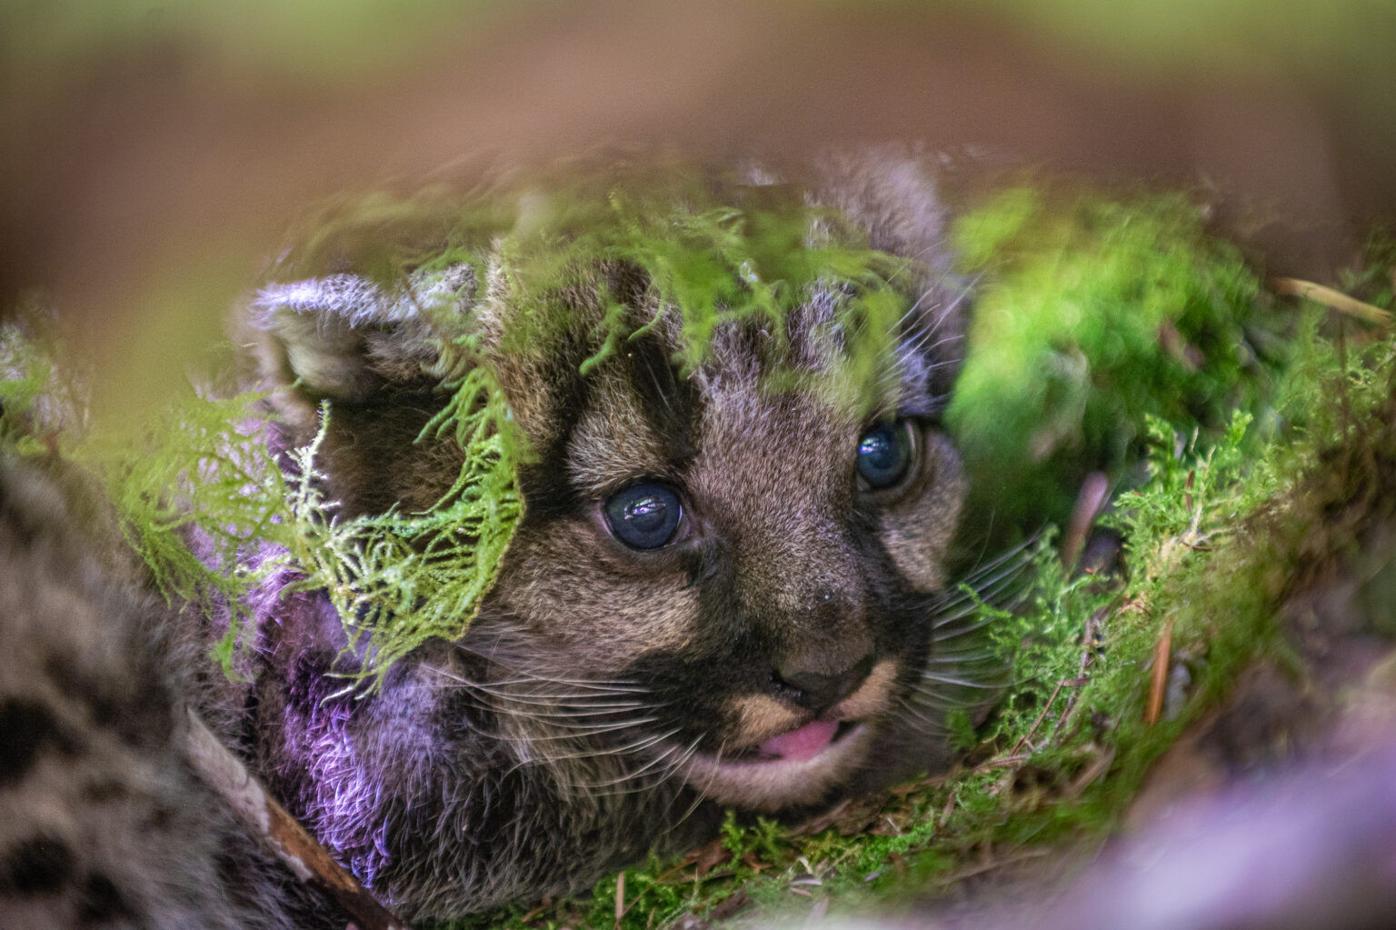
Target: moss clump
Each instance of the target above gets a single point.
(405, 578)
(1094, 314)
(711, 248)
(208, 509)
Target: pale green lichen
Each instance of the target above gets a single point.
(398, 579)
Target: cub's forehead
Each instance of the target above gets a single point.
(759, 397)
(616, 438)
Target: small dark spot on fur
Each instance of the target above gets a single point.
(102, 902)
(243, 877)
(28, 726)
(36, 866)
(142, 717)
(65, 674)
(159, 818)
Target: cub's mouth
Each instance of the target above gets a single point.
(797, 767)
(778, 757)
(798, 745)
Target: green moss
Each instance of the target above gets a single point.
(28, 378)
(712, 248)
(1093, 315)
(200, 498)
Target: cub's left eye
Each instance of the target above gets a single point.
(644, 515)
(885, 454)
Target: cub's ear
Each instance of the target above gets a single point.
(347, 338)
(375, 353)
(891, 192)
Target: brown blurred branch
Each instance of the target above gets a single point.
(1333, 300)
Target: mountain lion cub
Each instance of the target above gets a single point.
(721, 592)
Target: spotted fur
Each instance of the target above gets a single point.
(102, 822)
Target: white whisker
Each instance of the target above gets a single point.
(957, 681)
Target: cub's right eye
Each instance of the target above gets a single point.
(644, 515)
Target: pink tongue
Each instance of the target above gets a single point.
(803, 743)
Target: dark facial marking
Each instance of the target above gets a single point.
(669, 403)
(546, 490)
(705, 560)
(107, 789)
(39, 865)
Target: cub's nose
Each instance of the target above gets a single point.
(811, 685)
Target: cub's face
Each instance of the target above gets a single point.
(742, 572)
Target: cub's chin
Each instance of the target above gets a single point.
(825, 755)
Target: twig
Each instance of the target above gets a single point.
(948, 809)
(1163, 651)
(620, 897)
(279, 831)
(1088, 635)
(537, 911)
(1000, 762)
(991, 864)
(1333, 300)
(1032, 731)
(730, 905)
(1099, 767)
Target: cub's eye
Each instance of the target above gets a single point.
(884, 454)
(644, 515)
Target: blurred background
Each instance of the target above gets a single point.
(152, 153)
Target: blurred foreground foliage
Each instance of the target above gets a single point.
(1093, 315)
(213, 513)
(328, 38)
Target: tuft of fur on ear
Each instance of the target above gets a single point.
(345, 337)
(889, 191)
